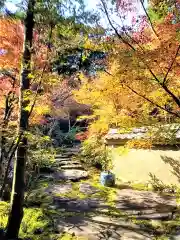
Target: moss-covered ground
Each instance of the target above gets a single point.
(40, 217)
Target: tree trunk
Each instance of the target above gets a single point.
(11, 153)
(17, 195)
(2, 155)
(69, 122)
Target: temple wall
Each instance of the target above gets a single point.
(136, 165)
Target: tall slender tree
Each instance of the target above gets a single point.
(17, 197)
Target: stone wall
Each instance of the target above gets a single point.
(136, 165)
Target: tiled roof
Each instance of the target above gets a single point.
(140, 133)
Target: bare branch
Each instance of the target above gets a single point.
(170, 67)
(8, 74)
(149, 100)
(165, 88)
(147, 15)
(116, 31)
(42, 74)
(146, 98)
(176, 99)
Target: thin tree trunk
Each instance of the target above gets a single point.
(17, 195)
(9, 158)
(7, 114)
(2, 155)
(69, 123)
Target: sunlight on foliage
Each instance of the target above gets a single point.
(94, 153)
(4, 211)
(33, 220)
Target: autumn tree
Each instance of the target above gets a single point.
(17, 197)
(37, 77)
(11, 49)
(151, 52)
(140, 83)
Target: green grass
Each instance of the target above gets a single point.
(34, 220)
(73, 193)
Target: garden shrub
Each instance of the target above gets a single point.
(38, 197)
(95, 153)
(41, 152)
(34, 221)
(70, 137)
(139, 144)
(4, 211)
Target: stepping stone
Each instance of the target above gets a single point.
(176, 236)
(61, 156)
(76, 150)
(62, 163)
(99, 227)
(68, 154)
(154, 216)
(60, 188)
(72, 166)
(63, 159)
(76, 205)
(73, 175)
(49, 177)
(87, 188)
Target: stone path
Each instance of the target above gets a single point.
(83, 208)
(68, 167)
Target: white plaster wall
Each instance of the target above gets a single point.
(136, 165)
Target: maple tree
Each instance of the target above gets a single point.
(35, 83)
(158, 58)
(140, 84)
(137, 83)
(158, 55)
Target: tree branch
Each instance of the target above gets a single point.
(8, 74)
(116, 31)
(165, 88)
(149, 100)
(146, 98)
(147, 15)
(170, 67)
(176, 99)
(42, 74)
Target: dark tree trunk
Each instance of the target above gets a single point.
(2, 155)
(3, 159)
(17, 195)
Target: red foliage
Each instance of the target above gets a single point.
(82, 136)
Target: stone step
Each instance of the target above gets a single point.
(59, 188)
(62, 163)
(72, 166)
(59, 158)
(49, 177)
(69, 153)
(101, 227)
(64, 156)
(71, 174)
(71, 149)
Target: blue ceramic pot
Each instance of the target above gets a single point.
(107, 179)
